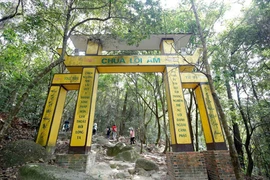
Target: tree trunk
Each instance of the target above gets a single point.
(196, 127)
(232, 150)
(189, 114)
(237, 138)
(162, 100)
(238, 144)
(14, 111)
(159, 131)
(123, 118)
(248, 130)
(156, 111)
(250, 158)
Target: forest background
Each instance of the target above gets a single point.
(236, 61)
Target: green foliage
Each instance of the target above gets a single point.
(241, 61)
(29, 41)
(240, 57)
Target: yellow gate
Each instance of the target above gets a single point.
(83, 76)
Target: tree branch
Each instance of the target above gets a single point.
(85, 8)
(96, 19)
(12, 15)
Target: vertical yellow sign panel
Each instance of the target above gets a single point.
(48, 113)
(80, 124)
(204, 117)
(177, 109)
(212, 113)
(57, 118)
(171, 120)
(92, 110)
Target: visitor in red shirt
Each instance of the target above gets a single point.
(114, 131)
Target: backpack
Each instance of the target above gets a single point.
(108, 131)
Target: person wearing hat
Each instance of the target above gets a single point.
(95, 129)
(132, 135)
(66, 126)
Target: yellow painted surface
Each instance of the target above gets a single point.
(193, 77)
(171, 120)
(114, 64)
(57, 118)
(66, 79)
(212, 114)
(130, 69)
(204, 116)
(71, 81)
(186, 68)
(48, 113)
(82, 112)
(92, 111)
(189, 85)
(197, 53)
(71, 87)
(127, 60)
(192, 80)
(167, 46)
(93, 48)
(126, 69)
(178, 108)
(86, 82)
(74, 69)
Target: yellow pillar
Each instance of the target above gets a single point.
(93, 47)
(210, 122)
(167, 46)
(178, 121)
(84, 114)
(51, 118)
(56, 120)
(179, 125)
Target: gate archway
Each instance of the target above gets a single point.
(182, 163)
(83, 76)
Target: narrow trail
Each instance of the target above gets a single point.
(107, 167)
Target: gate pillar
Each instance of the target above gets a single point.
(81, 136)
(179, 125)
(51, 118)
(178, 121)
(213, 134)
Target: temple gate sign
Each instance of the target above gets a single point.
(178, 69)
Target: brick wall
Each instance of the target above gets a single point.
(186, 166)
(207, 165)
(77, 162)
(219, 165)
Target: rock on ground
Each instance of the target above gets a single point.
(146, 165)
(130, 156)
(49, 172)
(21, 152)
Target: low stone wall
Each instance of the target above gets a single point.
(186, 166)
(77, 162)
(219, 165)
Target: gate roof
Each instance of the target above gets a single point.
(110, 42)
